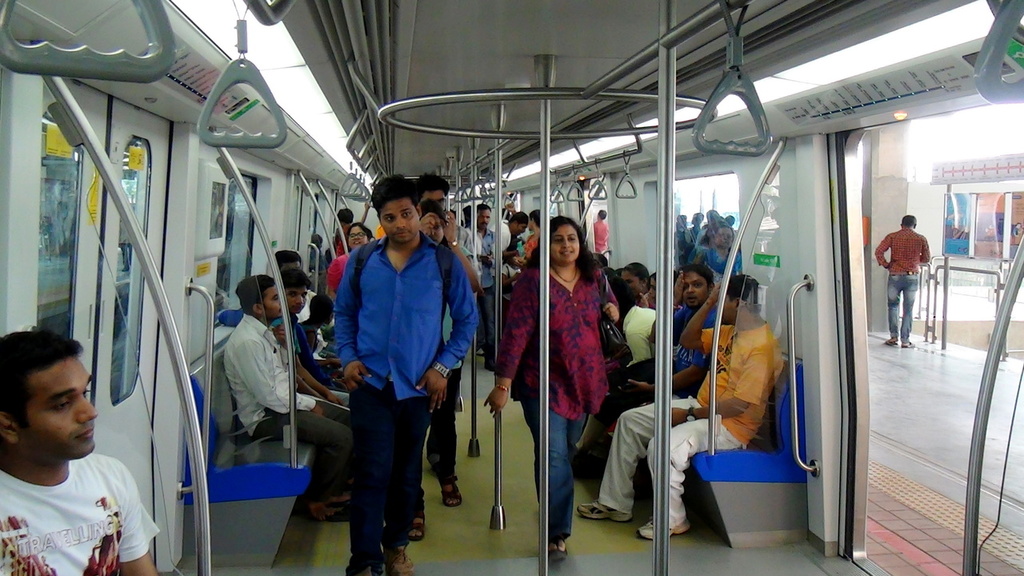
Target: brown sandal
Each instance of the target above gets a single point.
(450, 495)
(419, 527)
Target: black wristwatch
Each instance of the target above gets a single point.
(690, 417)
(446, 372)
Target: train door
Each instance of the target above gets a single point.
(124, 366)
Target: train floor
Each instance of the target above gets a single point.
(923, 401)
(459, 541)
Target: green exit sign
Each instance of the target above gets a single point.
(1016, 51)
(769, 260)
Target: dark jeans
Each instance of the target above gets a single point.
(332, 436)
(388, 468)
(442, 439)
(564, 434)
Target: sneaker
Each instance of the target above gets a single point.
(597, 511)
(647, 530)
(396, 563)
(907, 344)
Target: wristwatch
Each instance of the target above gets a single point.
(689, 414)
(453, 243)
(446, 372)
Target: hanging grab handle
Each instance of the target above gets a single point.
(269, 12)
(988, 71)
(47, 59)
(241, 71)
(734, 82)
(575, 193)
(598, 191)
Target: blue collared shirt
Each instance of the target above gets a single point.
(686, 357)
(399, 321)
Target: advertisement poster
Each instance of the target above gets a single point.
(1016, 221)
(989, 226)
(956, 232)
(217, 210)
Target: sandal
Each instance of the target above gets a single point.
(556, 549)
(419, 527)
(450, 495)
(892, 342)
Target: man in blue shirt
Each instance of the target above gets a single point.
(396, 365)
(484, 243)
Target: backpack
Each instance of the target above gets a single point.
(445, 261)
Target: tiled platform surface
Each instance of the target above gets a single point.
(914, 531)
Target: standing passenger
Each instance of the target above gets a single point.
(388, 326)
(432, 187)
(907, 251)
(358, 234)
(601, 232)
(578, 382)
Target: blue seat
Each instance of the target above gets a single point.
(230, 317)
(248, 478)
(252, 488)
(755, 497)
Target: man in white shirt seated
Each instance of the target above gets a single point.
(64, 511)
(255, 367)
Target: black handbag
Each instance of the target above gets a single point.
(613, 341)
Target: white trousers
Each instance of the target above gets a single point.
(634, 438)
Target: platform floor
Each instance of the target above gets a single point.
(923, 401)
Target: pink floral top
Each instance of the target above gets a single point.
(578, 379)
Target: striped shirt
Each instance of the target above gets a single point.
(907, 250)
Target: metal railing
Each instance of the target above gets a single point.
(930, 273)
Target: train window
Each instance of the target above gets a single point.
(129, 281)
(59, 203)
(720, 193)
(236, 262)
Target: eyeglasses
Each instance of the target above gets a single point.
(355, 235)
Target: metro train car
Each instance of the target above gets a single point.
(182, 143)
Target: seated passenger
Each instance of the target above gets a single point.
(639, 279)
(749, 364)
(65, 510)
(311, 379)
(321, 313)
(631, 389)
(258, 378)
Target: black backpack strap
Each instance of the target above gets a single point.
(362, 254)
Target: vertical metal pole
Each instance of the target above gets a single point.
(474, 442)
(498, 511)
(304, 184)
(663, 304)
(945, 300)
(316, 265)
(227, 164)
(334, 215)
(545, 336)
(167, 325)
(460, 404)
(211, 311)
(996, 345)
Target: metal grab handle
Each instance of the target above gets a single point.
(733, 82)
(167, 325)
(794, 405)
(622, 194)
(47, 59)
(269, 12)
(988, 74)
(575, 193)
(316, 266)
(557, 197)
(241, 71)
(230, 168)
(598, 191)
(211, 311)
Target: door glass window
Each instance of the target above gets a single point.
(58, 229)
(236, 262)
(129, 281)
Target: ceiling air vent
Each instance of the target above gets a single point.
(897, 88)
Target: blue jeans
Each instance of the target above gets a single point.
(388, 469)
(485, 329)
(565, 434)
(907, 285)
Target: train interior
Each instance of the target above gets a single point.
(874, 110)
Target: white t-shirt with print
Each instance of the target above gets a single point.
(85, 526)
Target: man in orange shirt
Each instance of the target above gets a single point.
(907, 251)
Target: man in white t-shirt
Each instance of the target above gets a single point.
(65, 511)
